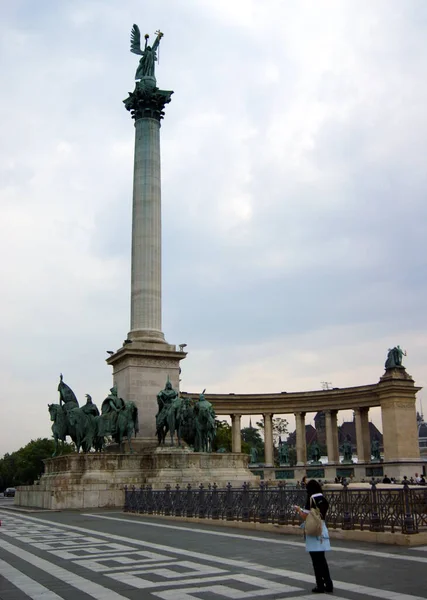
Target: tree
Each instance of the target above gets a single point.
(222, 436)
(280, 428)
(251, 438)
(25, 466)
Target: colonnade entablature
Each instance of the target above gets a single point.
(394, 394)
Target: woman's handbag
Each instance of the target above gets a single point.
(313, 522)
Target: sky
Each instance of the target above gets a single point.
(293, 194)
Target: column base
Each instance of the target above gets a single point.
(140, 371)
(147, 335)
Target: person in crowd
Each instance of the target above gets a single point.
(386, 479)
(317, 546)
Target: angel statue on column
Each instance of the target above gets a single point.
(148, 55)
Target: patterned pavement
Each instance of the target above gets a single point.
(112, 556)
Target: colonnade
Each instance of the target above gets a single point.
(394, 395)
(363, 441)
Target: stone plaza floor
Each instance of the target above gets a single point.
(110, 556)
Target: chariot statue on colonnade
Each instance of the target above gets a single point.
(394, 358)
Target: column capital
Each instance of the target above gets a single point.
(147, 101)
(300, 413)
(360, 410)
(330, 411)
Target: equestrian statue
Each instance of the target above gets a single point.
(193, 423)
(86, 426)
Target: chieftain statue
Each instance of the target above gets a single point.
(283, 453)
(165, 399)
(375, 451)
(253, 453)
(111, 408)
(205, 424)
(315, 453)
(347, 451)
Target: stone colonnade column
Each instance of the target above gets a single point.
(332, 436)
(301, 445)
(236, 440)
(268, 439)
(363, 437)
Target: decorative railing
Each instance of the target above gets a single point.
(395, 509)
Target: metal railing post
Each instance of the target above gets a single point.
(167, 508)
(202, 501)
(408, 521)
(189, 502)
(282, 496)
(215, 508)
(177, 501)
(140, 499)
(245, 502)
(262, 503)
(375, 524)
(150, 500)
(126, 506)
(347, 520)
(229, 503)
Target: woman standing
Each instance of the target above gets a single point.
(317, 546)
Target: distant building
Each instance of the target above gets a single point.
(310, 436)
(346, 431)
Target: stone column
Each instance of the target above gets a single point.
(143, 364)
(146, 104)
(332, 436)
(146, 284)
(397, 391)
(236, 440)
(268, 439)
(301, 445)
(363, 437)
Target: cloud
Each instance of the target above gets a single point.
(294, 215)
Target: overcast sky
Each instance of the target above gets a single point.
(294, 194)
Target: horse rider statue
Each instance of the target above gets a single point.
(165, 398)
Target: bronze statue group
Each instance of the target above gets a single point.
(193, 423)
(86, 426)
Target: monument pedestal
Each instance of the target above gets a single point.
(140, 371)
(396, 390)
(81, 481)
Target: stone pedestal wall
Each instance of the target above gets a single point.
(79, 481)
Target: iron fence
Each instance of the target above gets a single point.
(395, 509)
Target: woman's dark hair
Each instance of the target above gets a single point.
(313, 487)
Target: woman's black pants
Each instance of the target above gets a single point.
(321, 571)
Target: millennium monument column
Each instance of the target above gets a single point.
(142, 365)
